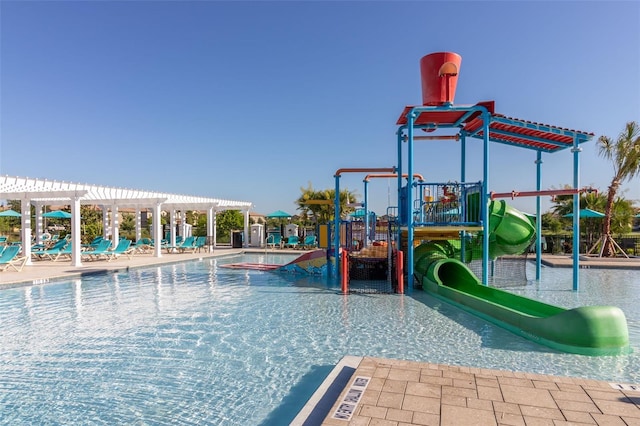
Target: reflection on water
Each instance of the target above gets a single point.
(195, 343)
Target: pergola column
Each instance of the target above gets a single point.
(246, 227)
(25, 211)
(115, 231)
(76, 247)
(105, 221)
(138, 224)
(157, 231)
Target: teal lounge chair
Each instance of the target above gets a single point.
(102, 249)
(123, 248)
(143, 245)
(201, 243)
(189, 243)
(292, 241)
(310, 242)
(52, 252)
(64, 253)
(10, 259)
(274, 240)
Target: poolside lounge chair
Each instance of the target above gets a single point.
(64, 253)
(274, 240)
(189, 243)
(123, 248)
(310, 242)
(292, 241)
(10, 259)
(52, 252)
(143, 245)
(102, 249)
(201, 243)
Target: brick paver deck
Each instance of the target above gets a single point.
(402, 393)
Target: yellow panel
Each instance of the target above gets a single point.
(323, 236)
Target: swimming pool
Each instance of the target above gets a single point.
(194, 343)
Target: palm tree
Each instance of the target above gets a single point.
(624, 154)
(319, 204)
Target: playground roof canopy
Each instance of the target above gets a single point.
(502, 129)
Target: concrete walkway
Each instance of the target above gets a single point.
(403, 393)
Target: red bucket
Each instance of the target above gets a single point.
(439, 72)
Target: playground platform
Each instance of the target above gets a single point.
(377, 391)
(590, 262)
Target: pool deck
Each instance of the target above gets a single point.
(385, 392)
(403, 393)
(43, 271)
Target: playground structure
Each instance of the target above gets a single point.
(435, 226)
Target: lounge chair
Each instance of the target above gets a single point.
(64, 253)
(292, 241)
(10, 259)
(123, 248)
(52, 252)
(143, 245)
(201, 243)
(189, 243)
(102, 249)
(310, 242)
(274, 240)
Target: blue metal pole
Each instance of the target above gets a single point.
(336, 225)
(399, 171)
(410, 120)
(576, 214)
(463, 177)
(366, 213)
(538, 215)
(486, 117)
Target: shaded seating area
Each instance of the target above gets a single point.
(10, 258)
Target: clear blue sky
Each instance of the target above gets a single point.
(254, 100)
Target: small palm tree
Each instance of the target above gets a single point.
(624, 154)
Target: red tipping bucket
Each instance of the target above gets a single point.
(439, 73)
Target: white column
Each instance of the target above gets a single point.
(76, 247)
(157, 231)
(210, 226)
(246, 228)
(172, 227)
(25, 207)
(105, 221)
(215, 228)
(115, 231)
(138, 224)
(39, 225)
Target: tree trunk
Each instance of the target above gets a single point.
(608, 249)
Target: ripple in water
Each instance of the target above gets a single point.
(194, 343)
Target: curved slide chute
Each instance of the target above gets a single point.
(588, 330)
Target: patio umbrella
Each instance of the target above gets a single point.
(586, 213)
(57, 214)
(9, 213)
(278, 214)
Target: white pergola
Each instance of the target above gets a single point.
(44, 192)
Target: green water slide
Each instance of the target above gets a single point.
(587, 330)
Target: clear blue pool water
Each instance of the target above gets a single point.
(195, 343)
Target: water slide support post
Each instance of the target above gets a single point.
(538, 215)
(576, 216)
